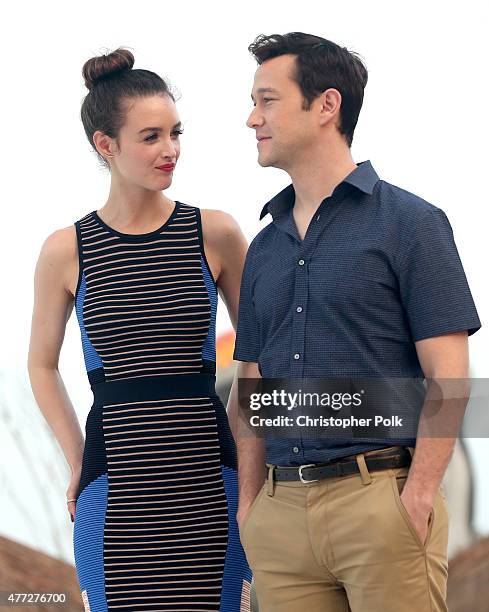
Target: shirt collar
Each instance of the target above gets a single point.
(363, 177)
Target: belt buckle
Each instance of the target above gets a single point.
(302, 479)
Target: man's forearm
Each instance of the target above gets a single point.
(251, 468)
(250, 449)
(445, 363)
(430, 461)
(438, 428)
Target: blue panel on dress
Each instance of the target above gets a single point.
(88, 542)
(209, 348)
(236, 568)
(92, 358)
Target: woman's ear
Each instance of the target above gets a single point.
(104, 144)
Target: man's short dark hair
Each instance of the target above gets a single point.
(320, 65)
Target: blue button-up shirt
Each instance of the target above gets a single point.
(377, 270)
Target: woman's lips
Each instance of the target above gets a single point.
(167, 168)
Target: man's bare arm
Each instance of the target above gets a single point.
(251, 449)
(441, 358)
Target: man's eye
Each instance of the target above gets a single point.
(267, 100)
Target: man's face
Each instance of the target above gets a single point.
(283, 129)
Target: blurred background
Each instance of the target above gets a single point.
(423, 125)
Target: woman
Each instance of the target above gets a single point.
(153, 493)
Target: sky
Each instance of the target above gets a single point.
(423, 126)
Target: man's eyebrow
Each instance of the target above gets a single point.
(158, 129)
(265, 90)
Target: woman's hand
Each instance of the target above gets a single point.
(71, 493)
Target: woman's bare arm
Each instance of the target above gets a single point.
(55, 277)
(227, 247)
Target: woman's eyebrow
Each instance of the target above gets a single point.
(158, 129)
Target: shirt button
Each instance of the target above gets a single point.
(301, 262)
(296, 449)
(297, 356)
(299, 308)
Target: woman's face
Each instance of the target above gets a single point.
(149, 140)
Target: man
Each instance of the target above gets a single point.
(352, 277)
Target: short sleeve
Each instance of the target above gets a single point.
(432, 282)
(247, 343)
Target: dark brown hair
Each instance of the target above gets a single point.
(320, 64)
(112, 81)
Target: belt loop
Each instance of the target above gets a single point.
(270, 481)
(362, 466)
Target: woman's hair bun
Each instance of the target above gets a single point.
(100, 67)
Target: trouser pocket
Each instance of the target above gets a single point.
(397, 483)
(251, 509)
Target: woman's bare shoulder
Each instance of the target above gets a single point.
(219, 226)
(60, 244)
(59, 257)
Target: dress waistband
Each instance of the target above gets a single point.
(153, 388)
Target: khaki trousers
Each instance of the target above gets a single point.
(345, 544)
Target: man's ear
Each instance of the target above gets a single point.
(329, 105)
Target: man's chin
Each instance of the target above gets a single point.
(265, 161)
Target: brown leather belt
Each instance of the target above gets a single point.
(313, 472)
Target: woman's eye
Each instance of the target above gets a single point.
(153, 136)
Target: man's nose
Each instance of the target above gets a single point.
(254, 119)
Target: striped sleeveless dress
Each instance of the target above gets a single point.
(155, 523)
